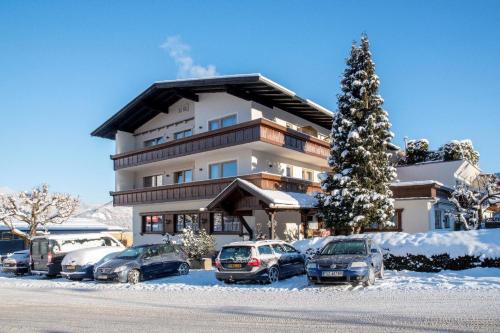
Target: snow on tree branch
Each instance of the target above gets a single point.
(37, 208)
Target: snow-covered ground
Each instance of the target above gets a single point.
(484, 243)
(471, 279)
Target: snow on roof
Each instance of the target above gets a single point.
(71, 236)
(280, 199)
(73, 224)
(417, 182)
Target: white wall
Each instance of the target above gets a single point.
(261, 162)
(124, 142)
(445, 172)
(218, 105)
(416, 216)
(282, 117)
(177, 112)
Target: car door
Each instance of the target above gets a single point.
(170, 259)
(296, 259)
(284, 259)
(152, 263)
(266, 255)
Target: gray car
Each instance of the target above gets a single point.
(351, 260)
(143, 262)
(263, 261)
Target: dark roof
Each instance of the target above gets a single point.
(160, 95)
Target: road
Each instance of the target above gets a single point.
(190, 310)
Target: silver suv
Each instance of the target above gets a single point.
(263, 261)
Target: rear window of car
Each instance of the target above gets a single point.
(235, 253)
(265, 249)
(39, 247)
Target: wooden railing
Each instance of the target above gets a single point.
(256, 130)
(208, 189)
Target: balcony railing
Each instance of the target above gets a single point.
(256, 130)
(207, 189)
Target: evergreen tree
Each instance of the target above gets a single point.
(460, 150)
(356, 192)
(417, 151)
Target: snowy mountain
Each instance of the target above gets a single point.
(107, 214)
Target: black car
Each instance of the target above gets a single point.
(350, 260)
(263, 261)
(143, 262)
(17, 263)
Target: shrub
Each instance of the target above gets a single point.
(417, 151)
(197, 245)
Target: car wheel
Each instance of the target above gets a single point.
(273, 275)
(381, 273)
(371, 277)
(133, 276)
(183, 269)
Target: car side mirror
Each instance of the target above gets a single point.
(373, 251)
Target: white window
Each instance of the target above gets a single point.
(221, 122)
(153, 181)
(307, 174)
(184, 176)
(224, 169)
(183, 134)
(154, 142)
(437, 219)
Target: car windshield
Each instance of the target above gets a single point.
(340, 248)
(235, 253)
(131, 253)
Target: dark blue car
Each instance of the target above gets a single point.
(346, 260)
(143, 262)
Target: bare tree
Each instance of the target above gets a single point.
(37, 208)
(471, 203)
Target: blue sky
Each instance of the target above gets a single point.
(65, 67)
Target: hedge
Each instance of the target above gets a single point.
(436, 263)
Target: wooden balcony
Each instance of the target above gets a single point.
(253, 131)
(208, 189)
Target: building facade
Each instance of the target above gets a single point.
(239, 156)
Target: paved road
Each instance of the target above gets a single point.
(89, 310)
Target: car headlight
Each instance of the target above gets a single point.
(359, 264)
(120, 269)
(311, 265)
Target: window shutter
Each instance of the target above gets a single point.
(169, 224)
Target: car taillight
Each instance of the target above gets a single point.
(217, 263)
(254, 262)
(49, 257)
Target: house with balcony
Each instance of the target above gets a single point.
(239, 156)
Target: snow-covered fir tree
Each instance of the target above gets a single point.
(458, 150)
(417, 151)
(356, 192)
(197, 244)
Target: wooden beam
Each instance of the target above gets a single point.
(245, 224)
(187, 94)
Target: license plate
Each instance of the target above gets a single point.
(102, 277)
(70, 267)
(234, 266)
(334, 273)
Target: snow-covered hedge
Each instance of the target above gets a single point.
(430, 251)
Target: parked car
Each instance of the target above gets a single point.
(79, 264)
(47, 252)
(17, 263)
(351, 260)
(262, 261)
(143, 262)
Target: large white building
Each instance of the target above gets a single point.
(237, 155)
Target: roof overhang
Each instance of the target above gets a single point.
(253, 87)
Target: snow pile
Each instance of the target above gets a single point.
(481, 243)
